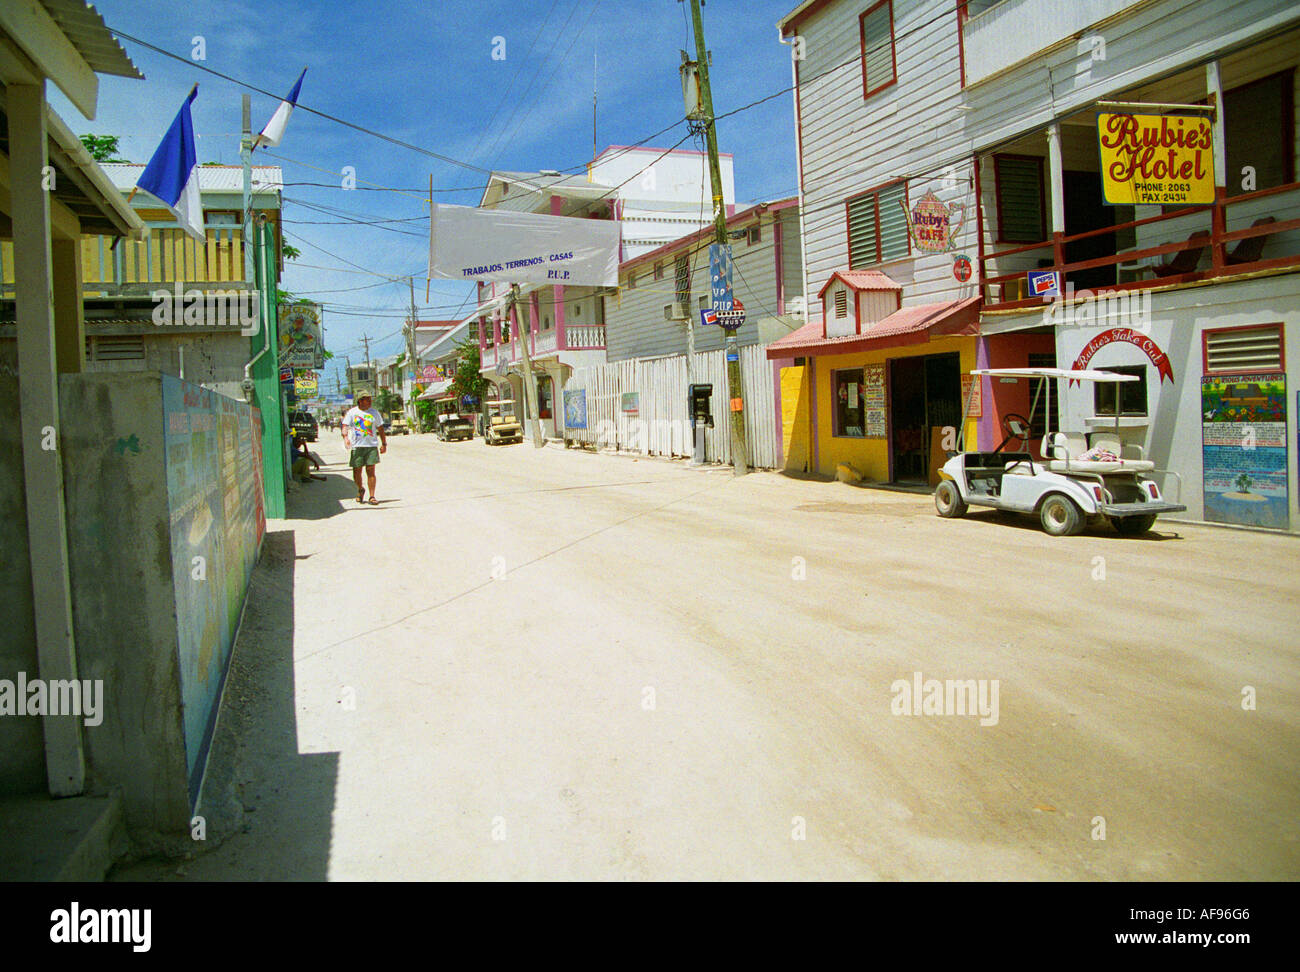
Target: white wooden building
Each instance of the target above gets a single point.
(658, 195)
(991, 111)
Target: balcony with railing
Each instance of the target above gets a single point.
(1044, 203)
(165, 256)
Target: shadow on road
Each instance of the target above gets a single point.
(319, 500)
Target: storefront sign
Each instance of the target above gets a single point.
(575, 409)
(1244, 471)
(720, 276)
(1147, 159)
(873, 401)
(976, 398)
(300, 341)
(1143, 341)
(1044, 283)
(930, 223)
(430, 373)
(631, 403)
(304, 384)
(961, 267)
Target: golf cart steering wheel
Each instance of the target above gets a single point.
(1022, 437)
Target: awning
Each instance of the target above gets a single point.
(437, 390)
(910, 325)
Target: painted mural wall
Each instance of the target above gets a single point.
(214, 488)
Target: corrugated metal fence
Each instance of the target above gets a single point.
(661, 426)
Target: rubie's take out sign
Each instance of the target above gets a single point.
(1160, 159)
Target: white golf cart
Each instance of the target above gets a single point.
(1108, 481)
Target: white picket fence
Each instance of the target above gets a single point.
(661, 425)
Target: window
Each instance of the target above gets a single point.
(1022, 215)
(848, 402)
(704, 303)
(877, 32)
(841, 303)
(1244, 349)
(878, 226)
(1132, 394)
(659, 270)
(682, 280)
(755, 234)
(546, 322)
(1258, 126)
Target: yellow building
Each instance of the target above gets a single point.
(876, 387)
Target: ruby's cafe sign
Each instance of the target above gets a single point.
(930, 223)
(1130, 336)
(1156, 159)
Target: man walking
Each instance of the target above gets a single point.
(363, 434)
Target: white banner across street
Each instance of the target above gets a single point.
(492, 244)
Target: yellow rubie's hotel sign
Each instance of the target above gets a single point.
(1156, 159)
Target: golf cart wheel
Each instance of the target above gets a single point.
(1060, 516)
(948, 501)
(1132, 526)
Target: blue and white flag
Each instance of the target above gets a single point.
(274, 130)
(172, 174)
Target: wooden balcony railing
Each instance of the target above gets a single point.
(164, 257)
(1005, 290)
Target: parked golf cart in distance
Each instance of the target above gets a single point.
(449, 424)
(500, 426)
(1066, 491)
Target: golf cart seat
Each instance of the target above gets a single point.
(1064, 447)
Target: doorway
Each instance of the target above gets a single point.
(1086, 210)
(924, 398)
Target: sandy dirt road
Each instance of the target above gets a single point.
(549, 664)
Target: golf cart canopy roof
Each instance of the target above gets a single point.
(1054, 373)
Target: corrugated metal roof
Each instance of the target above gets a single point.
(911, 325)
(212, 178)
(862, 280)
(86, 31)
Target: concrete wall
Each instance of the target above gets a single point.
(124, 610)
(148, 487)
(22, 748)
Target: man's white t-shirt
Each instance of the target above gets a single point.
(362, 425)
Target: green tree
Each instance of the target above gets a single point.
(102, 148)
(468, 380)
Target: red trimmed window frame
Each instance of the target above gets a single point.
(1281, 349)
(862, 48)
(1042, 195)
(848, 234)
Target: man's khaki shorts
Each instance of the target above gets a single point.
(364, 456)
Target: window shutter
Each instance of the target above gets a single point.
(862, 232)
(893, 222)
(1244, 349)
(841, 304)
(878, 49)
(1020, 199)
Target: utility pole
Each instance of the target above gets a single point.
(522, 335)
(736, 396)
(412, 366)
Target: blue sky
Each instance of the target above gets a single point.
(422, 71)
